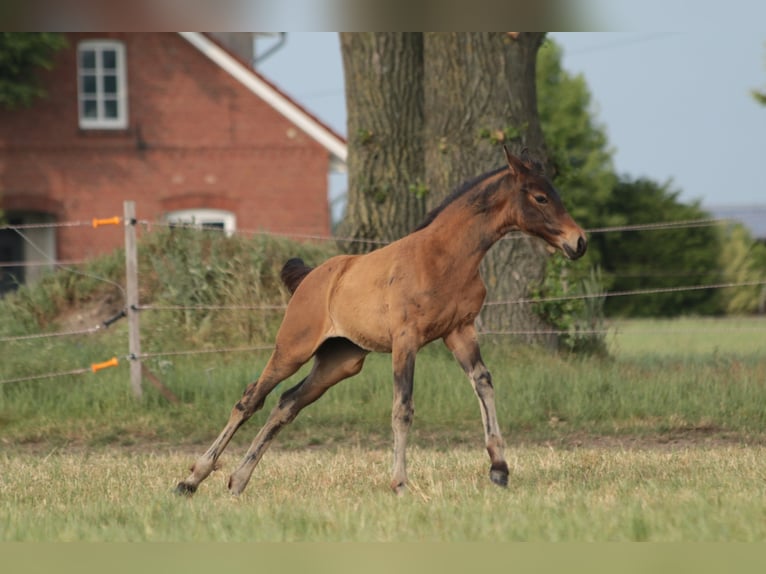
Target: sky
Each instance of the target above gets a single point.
(676, 105)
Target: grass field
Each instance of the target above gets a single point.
(663, 441)
(689, 337)
(587, 494)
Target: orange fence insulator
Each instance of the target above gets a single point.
(108, 221)
(113, 362)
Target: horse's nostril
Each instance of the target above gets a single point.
(578, 251)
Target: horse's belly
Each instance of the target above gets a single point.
(364, 329)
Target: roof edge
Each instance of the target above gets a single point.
(269, 93)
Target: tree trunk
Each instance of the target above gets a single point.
(386, 174)
(480, 93)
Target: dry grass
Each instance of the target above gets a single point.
(583, 494)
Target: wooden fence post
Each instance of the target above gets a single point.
(131, 284)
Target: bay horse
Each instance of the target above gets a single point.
(423, 287)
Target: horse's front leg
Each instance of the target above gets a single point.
(206, 463)
(402, 412)
(465, 347)
(251, 401)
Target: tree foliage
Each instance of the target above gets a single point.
(742, 260)
(22, 55)
(659, 258)
(576, 142)
(598, 197)
(579, 151)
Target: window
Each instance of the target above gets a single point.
(226, 221)
(101, 85)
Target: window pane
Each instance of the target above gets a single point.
(101, 84)
(109, 59)
(110, 109)
(88, 84)
(110, 84)
(88, 59)
(89, 109)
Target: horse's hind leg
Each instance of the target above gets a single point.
(465, 348)
(402, 412)
(336, 359)
(277, 369)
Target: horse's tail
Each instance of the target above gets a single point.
(293, 272)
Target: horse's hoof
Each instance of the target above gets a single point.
(184, 489)
(499, 476)
(235, 487)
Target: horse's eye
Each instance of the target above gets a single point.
(541, 199)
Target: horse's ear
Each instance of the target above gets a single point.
(516, 165)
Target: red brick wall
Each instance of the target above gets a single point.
(196, 139)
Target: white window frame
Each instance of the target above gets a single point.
(101, 121)
(202, 218)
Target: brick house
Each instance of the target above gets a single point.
(175, 121)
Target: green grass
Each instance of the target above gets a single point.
(697, 494)
(540, 396)
(633, 448)
(688, 337)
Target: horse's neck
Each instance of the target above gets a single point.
(465, 235)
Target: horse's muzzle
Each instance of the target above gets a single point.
(577, 252)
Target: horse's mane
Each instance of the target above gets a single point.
(458, 192)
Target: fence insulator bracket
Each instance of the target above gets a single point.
(114, 319)
(107, 221)
(96, 367)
